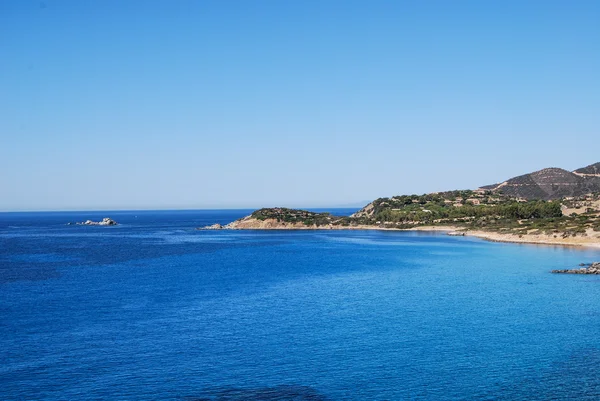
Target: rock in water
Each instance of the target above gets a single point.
(216, 226)
(107, 221)
(593, 268)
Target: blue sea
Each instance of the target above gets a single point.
(153, 309)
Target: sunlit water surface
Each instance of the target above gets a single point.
(153, 309)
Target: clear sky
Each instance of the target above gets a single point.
(202, 104)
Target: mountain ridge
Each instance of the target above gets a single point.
(550, 183)
(593, 170)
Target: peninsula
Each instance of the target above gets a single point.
(550, 206)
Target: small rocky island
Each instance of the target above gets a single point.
(592, 268)
(107, 221)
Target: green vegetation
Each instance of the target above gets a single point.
(456, 206)
(282, 214)
(480, 209)
(485, 210)
(434, 212)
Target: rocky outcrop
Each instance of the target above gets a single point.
(215, 226)
(366, 211)
(251, 223)
(592, 268)
(107, 221)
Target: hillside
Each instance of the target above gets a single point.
(551, 183)
(592, 170)
(283, 218)
(479, 208)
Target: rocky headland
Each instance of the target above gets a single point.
(280, 218)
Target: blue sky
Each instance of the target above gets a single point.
(204, 104)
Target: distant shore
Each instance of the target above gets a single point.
(591, 239)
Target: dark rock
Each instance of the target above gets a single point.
(593, 268)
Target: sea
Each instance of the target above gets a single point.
(153, 309)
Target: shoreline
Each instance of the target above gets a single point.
(537, 239)
(592, 240)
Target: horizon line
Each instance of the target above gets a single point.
(171, 209)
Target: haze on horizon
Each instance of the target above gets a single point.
(227, 104)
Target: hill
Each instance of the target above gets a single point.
(551, 184)
(281, 217)
(593, 170)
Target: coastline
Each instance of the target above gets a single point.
(591, 240)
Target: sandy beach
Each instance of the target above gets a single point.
(592, 238)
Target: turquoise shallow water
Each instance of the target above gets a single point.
(153, 309)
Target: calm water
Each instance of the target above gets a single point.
(153, 309)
